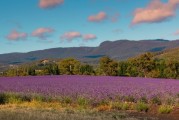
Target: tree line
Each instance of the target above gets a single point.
(145, 65)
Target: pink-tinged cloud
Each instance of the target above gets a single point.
(50, 3)
(69, 36)
(174, 2)
(15, 36)
(101, 16)
(177, 32)
(42, 33)
(89, 37)
(156, 11)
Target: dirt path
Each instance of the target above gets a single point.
(151, 115)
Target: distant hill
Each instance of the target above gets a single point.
(119, 50)
(171, 54)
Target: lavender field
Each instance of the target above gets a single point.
(92, 87)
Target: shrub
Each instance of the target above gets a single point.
(121, 105)
(67, 100)
(103, 102)
(116, 106)
(165, 109)
(125, 106)
(13, 98)
(129, 99)
(9, 98)
(26, 98)
(38, 98)
(2, 98)
(141, 106)
(170, 101)
(156, 100)
(143, 99)
(82, 101)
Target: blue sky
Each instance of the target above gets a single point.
(28, 25)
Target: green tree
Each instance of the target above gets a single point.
(160, 66)
(11, 72)
(108, 67)
(172, 69)
(122, 68)
(69, 66)
(132, 70)
(52, 69)
(87, 70)
(22, 71)
(31, 71)
(144, 64)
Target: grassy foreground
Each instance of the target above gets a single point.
(18, 107)
(16, 112)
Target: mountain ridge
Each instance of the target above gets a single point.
(119, 49)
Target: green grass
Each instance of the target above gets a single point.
(83, 104)
(142, 107)
(125, 106)
(6, 98)
(36, 107)
(165, 109)
(116, 105)
(66, 100)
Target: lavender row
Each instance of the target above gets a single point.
(94, 87)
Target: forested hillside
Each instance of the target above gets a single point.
(171, 54)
